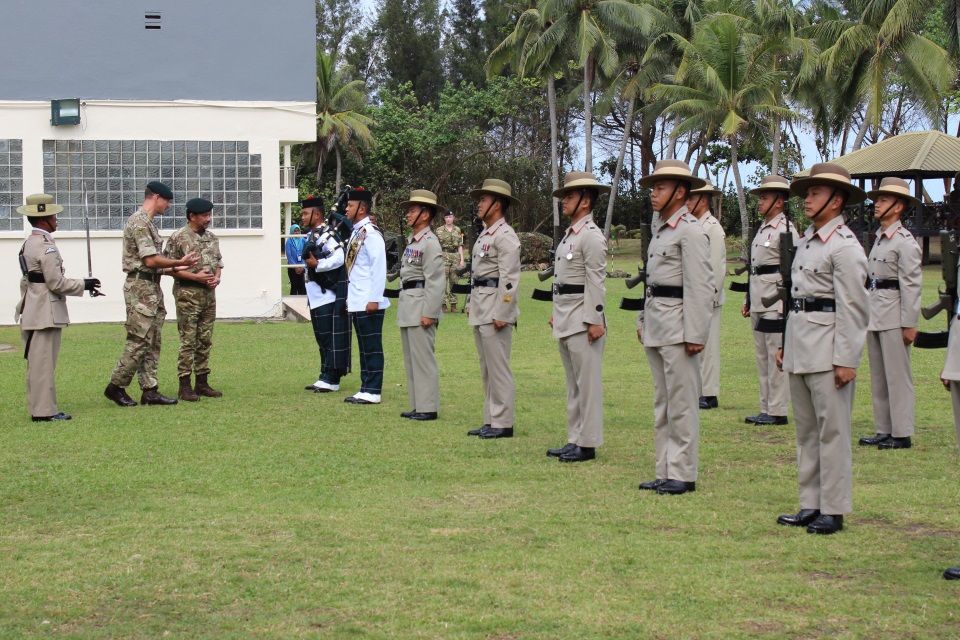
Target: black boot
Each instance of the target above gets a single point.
(119, 395)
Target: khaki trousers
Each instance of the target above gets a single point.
(41, 371)
(583, 364)
(710, 357)
(955, 396)
(493, 349)
(891, 380)
(676, 411)
(824, 458)
(774, 399)
(423, 375)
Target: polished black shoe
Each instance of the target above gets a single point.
(874, 440)
(119, 395)
(653, 485)
(753, 419)
(58, 416)
(406, 414)
(802, 519)
(676, 487)
(767, 420)
(895, 443)
(579, 454)
(423, 415)
(153, 396)
(476, 432)
(709, 402)
(953, 573)
(492, 433)
(826, 524)
(556, 453)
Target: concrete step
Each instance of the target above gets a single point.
(296, 308)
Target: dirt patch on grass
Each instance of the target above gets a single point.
(764, 628)
(816, 576)
(6, 348)
(915, 529)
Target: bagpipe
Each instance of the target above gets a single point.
(337, 227)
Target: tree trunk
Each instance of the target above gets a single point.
(588, 114)
(339, 167)
(860, 135)
(775, 160)
(671, 151)
(616, 174)
(554, 164)
(741, 198)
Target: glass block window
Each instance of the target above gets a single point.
(11, 184)
(116, 171)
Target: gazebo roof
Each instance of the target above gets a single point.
(924, 154)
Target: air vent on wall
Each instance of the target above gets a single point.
(151, 20)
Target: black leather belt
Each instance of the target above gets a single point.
(35, 276)
(769, 325)
(413, 284)
(765, 269)
(813, 304)
(567, 289)
(141, 275)
(192, 283)
(663, 291)
(872, 284)
(486, 282)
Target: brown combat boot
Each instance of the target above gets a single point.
(453, 308)
(186, 391)
(153, 396)
(204, 389)
(119, 395)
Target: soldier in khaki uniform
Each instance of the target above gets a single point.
(674, 325)
(894, 284)
(144, 263)
(194, 291)
(493, 314)
(451, 241)
(698, 203)
(765, 279)
(578, 319)
(419, 307)
(826, 329)
(950, 377)
(42, 310)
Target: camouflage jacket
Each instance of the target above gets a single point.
(450, 241)
(140, 240)
(185, 240)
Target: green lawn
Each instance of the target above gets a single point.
(276, 513)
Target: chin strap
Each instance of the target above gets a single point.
(821, 210)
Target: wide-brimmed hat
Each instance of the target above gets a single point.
(706, 189)
(672, 170)
(772, 183)
(894, 187)
(580, 180)
(497, 188)
(832, 175)
(422, 196)
(39, 205)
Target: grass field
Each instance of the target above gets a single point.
(276, 513)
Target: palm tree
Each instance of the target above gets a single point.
(341, 124)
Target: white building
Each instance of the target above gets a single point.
(201, 94)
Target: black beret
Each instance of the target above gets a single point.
(199, 205)
(361, 195)
(313, 202)
(160, 189)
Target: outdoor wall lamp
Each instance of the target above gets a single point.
(65, 112)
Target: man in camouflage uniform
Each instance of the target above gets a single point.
(451, 241)
(144, 264)
(194, 291)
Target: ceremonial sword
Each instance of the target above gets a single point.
(86, 220)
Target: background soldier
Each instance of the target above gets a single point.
(894, 284)
(578, 321)
(493, 315)
(419, 308)
(823, 345)
(950, 377)
(194, 292)
(144, 264)
(765, 278)
(451, 241)
(698, 203)
(675, 324)
(42, 311)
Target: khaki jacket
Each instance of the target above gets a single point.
(951, 367)
(586, 265)
(422, 260)
(829, 264)
(679, 256)
(895, 256)
(766, 251)
(718, 255)
(43, 304)
(496, 254)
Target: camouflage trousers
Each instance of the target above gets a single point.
(196, 312)
(451, 262)
(141, 351)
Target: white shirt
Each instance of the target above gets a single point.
(368, 277)
(317, 297)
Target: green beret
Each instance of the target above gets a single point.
(199, 205)
(160, 189)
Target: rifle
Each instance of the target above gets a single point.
(546, 295)
(637, 304)
(948, 295)
(744, 287)
(476, 228)
(394, 273)
(787, 252)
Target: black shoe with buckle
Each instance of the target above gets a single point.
(826, 525)
(768, 420)
(477, 432)
(753, 419)
(953, 573)
(579, 454)
(653, 485)
(802, 519)
(709, 402)
(676, 487)
(556, 453)
(895, 443)
(492, 433)
(423, 415)
(874, 440)
(56, 416)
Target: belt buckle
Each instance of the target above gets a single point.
(556, 289)
(873, 285)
